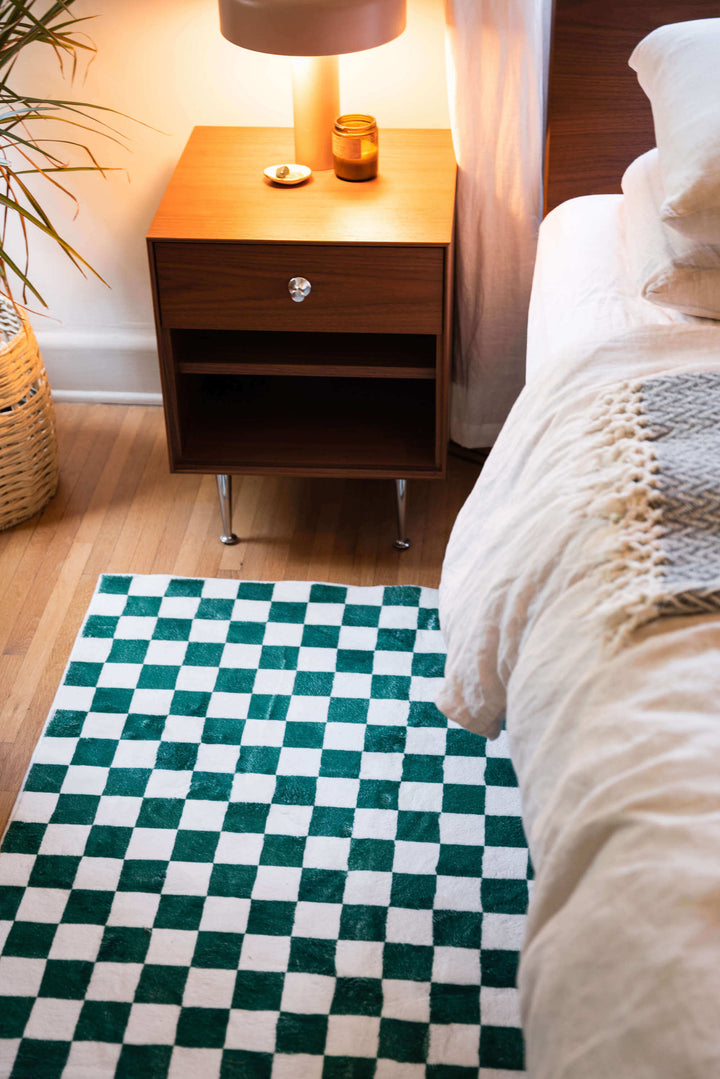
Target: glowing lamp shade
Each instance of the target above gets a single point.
(314, 32)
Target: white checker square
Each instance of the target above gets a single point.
(393, 662)
(133, 627)
(503, 801)
(455, 1044)
(220, 588)
(208, 631)
(171, 947)
(114, 981)
(154, 584)
(228, 705)
(239, 848)
(464, 769)
(389, 713)
(410, 857)
(348, 684)
(367, 887)
(261, 732)
(406, 926)
(342, 793)
(500, 746)
(427, 740)
(288, 819)
(429, 640)
(168, 783)
(203, 815)
(348, 736)
(225, 914)
(204, 986)
(152, 702)
(324, 614)
(103, 725)
(253, 1031)
(456, 966)
(5, 927)
(53, 1014)
(326, 852)
(316, 659)
(392, 1069)
(399, 617)
(216, 758)
(42, 905)
(91, 1058)
(280, 882)
(64, 839)
(381, 766)
(308, 994)
(186, 1063)
(292, 1065)
(152, 1024)
(457, 893)
(35, 805)
(20, 977)
(84, 779)
(187, 878)
(312, 709)
(462, 828)
(365, 595)
(321, 920)
(375, 824)
(120, 675)
(108, 603)
(178, 607)
(273, 681)
(15, 869)
(505, 863)
(251, 610)
(503, 931)
(421, 797)
(252, 787)
(241, 656)
(74, 698)
(55, 751)
(262, 952)
(133, 909)
(359, 958)
(183, 729)
(288, 634)
(299, 761)
(500, 1007)
(101, 874)
(353, 1035)
(91, 649)
(117, 807)
(406, 1000)
(358, 638)
(151, 843)
(74, 942)
(135, 753)
(166, 653)
(424, 689)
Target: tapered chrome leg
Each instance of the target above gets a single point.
(401, 544)
(224, 484)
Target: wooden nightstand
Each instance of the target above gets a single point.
(352, 380)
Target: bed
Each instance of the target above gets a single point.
(568, 614)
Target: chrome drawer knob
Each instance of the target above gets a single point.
(299, 288)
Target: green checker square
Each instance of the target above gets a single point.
(234, 680)
(418, 826)
(232, 880)
(372, 854)
(244, 1064)
(301, 1033)
(463, 798)
(268, 706)
(271, 917)
(246, 817)
(454, 1003)
(38, 1058)
(413, 962)
(83, 674)
(95, 752)
(179, 912)
(460, 860)
(10, 896)
(287, 612)
(428, 618)
(158, 676)
(211, 786)
(185, 586)
(403, 1041)
(54, 871)
(425, 714)
(348, 710)
(311, 955)
(215, 610)
(220, 731)
(428, 665)
(322, 885)
(504, 896)
(124, 944)
(332, 821)
(142, 875)
(450, 1071)
(172, 629)
(246, 633)
(176, 756)
(462, 743)
(385, 687)
(396, 640)
(217, 951)
(295, 790)
(127, 782)
(65, 979)
(401, 595)
(258, 990)
(423, 768)
(320, 636)
(499, 772)
(328, 593)
(255, 590)
(88, 906)
(143, 1060)
(282, 850)
(128, 651)
(361, 614)
(65, 723)
(414, 891)
(188, 702)
(160, 812)
(349, 1068)
(504, 831)
(278, 657)
(357, 996)
(143, 728)
(75, 809)
(360, 922)
(354, 661)
(499, 967)
(115, 584)
(340, 762)
(303, 735)
(457, 928)
(502, 1047)
(23, 837)
(111, 700)
(47, 778)
(203, 654)
(107, 841)
(143, 606)
(202, 1028)
(193, 845)
(102, 1021)
(313, 683)
(382, 739)
(259, 759)
(14, 1015)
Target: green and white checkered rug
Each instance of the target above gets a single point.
(249, 845)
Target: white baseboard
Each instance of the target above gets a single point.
(114, 365)
(105, 397)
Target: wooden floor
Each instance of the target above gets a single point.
(118, 510)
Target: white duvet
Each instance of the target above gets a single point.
(617, 754)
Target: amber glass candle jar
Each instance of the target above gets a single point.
(355, 147)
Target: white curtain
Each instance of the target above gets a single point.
(497, 62)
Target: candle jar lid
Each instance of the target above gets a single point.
(355, 123)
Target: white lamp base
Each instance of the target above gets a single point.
(316, 105)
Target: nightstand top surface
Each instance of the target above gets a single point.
(218, 192)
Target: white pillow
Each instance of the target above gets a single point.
(668, 268)
(678, 67)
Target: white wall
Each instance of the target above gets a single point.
(165, 62)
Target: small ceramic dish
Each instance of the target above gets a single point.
(295, 174)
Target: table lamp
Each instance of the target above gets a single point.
(313, 32)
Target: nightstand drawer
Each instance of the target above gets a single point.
(365, 289)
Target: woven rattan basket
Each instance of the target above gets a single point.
(28, 443)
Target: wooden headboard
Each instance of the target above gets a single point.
(599, 119)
